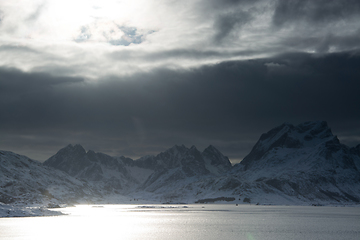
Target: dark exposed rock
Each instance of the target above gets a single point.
(275, 183)
(230, 183)
(216, 158)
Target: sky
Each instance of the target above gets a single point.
(134, 78)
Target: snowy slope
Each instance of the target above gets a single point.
(303, 162)
(179, 166)
(105, 173)
(23, 180)
(215, 161)
(7, 210)
(166, 174)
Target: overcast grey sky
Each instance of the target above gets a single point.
(137, 77)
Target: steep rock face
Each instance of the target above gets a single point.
(70, 159)
(189, 160)
(304, 161)
(179, 165)
(215, 161)
(146, 162)
(355, 151)
(28, 181)
(173, 165)
(307, 134)
(107, 172)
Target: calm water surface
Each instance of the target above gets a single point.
(166, 222)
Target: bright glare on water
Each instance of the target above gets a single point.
(164, 222)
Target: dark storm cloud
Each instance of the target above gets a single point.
(229, 16)
(226, 23)
(293, 25)
(13, 81)
(319, 11)
(323, 44)
(227, 104)
(182, 54)
(24, 98)
(216, 4)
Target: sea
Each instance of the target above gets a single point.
(188, 221)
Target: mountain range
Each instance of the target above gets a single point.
(303, 164)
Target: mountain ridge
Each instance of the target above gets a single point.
(302, 164)
(304, 161)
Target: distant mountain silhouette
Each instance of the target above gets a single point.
(303, 164)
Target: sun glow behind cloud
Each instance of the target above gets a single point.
(60, 36)
(61, 20)
(93, 38)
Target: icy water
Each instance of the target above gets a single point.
(164, 222)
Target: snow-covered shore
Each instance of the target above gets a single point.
(7, 210)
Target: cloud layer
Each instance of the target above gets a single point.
(83, 35)
(227, 104)
(134, 78)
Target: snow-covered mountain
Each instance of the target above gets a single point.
(168, 172)
(103, 172)
(179, 166)
(23, 180)
(215, 161)
(305, 162)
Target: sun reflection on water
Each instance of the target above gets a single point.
(163, 222)
(84, 222)
(95, 222)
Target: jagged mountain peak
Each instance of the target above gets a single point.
(108, 172)
(177, 148)
(92, 152)
(307, 130)
(304, 160)
(356, 150)
(179, 152)
(173, 155)
(307, 134)
(179, 162)
(217, 158)
(310, 145)
(77, 148)
(212, 149)
(70, 159)
(215, 161)
(319, 129)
